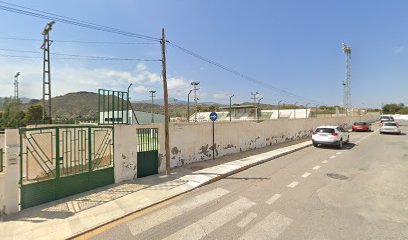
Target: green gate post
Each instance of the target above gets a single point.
(57, 154)
(90, 148)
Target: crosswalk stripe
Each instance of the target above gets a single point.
(306, 174)
(273, 198)
(147, 222)
(270, 227)
(293, 184)
(247, 219)
(210, 223)
(316, 167)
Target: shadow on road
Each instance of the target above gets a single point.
(347, 146)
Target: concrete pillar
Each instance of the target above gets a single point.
(125, 152)
(12, 170)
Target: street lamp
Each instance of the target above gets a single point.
(317, 105)
(295, 110)
(306, 108)
(230, 111)
(278, 107)
(152, 92)
(188, 106)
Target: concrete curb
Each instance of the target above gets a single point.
(212, 180)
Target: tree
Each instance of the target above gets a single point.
(12, 116)
(34, 112)
(392, 108)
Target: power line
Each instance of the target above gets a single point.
(237, 73)
(75, 41)
(77, 56)
(10, 7)
(80, 58)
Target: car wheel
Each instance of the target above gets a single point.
(341, 144)
(315, 144)
(381, 132)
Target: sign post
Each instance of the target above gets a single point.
(213, 117)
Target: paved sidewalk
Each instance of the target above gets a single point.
(82, 212)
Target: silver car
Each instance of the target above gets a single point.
(390, 127)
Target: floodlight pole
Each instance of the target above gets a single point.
(47, 71)
(152, 92)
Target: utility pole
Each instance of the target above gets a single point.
(16, 86)
(152, 92)
(254, 97)
(279, 108)
(306, 109)
(166, 104)
(230, 110)
(47, 72)
(347, 82)
(259, 102)
(195, 89)
(317, 108)
(295, 107)
(188, 106)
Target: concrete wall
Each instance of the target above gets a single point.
(193, 142)
(9, 190)
(125, 150)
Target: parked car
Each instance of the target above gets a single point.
(361, 126)
(390, 127)
(386, 118)
(330, 135)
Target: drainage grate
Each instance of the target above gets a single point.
(337, 176)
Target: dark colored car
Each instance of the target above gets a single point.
(361, 126)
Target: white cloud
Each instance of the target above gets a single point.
(140, 89)
(221, 95)
(72, 79)
(399, 50)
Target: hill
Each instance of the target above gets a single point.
(85, 105)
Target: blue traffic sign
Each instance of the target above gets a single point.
(213, 116)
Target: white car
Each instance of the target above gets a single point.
(390, 127)
(330, 135)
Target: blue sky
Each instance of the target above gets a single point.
(292, 45)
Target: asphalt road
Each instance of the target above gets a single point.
(359, 192)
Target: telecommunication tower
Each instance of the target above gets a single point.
(347, 81)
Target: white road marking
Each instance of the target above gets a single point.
(147, 222)
(331, 157)
(325, 161)
(212, 222)
(316, 167)
(339, 153)
(273, 198)
(293, 184)
(247, 219)
(367, 136)
(306, 174)
(270, 227)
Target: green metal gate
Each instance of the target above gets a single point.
(56, 162)
(147, 151)
(1, 159)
